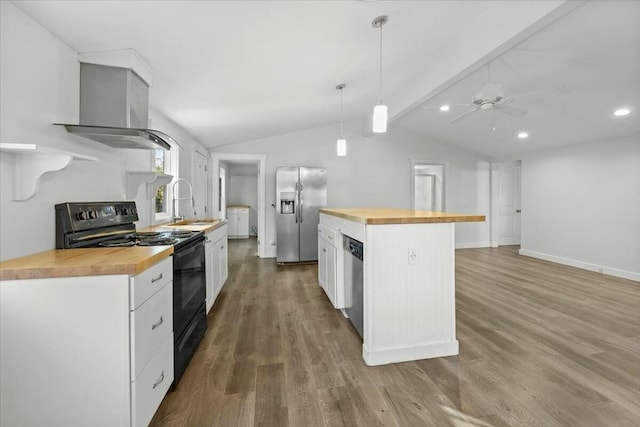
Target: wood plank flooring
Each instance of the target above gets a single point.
(540, 345)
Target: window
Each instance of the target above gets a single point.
(164, 162)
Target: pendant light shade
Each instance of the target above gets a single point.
(341, 144)
(380, 110)
(341, 147)
(380, 118)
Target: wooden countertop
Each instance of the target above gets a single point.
(83, 262)
(206, 225)
(378, 216)
(98, 261)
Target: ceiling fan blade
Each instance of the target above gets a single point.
(510, 110)
(511, 98)
(431, 107)
(463, 115)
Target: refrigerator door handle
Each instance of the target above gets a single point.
(301, 201)
(296, 207)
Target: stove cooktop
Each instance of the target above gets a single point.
(150, 238)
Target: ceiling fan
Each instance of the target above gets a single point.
(492, 97)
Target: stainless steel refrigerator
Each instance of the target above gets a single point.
(300, 192)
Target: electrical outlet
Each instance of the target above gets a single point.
(412, 256)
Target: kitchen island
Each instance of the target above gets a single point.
(408, 286)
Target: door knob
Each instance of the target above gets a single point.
(518, 211)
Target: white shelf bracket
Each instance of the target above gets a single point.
(152, 181)
(32, 162)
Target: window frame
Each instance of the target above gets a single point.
(170, 167)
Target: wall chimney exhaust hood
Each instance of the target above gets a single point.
(114, 109)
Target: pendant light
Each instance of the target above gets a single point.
(380, 110)
(341, 145)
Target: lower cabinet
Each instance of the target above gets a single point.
(79, 351)
(216, 263)
(238, 221)
(327, 261)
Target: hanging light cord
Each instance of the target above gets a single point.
(341, 132)
(380, 88)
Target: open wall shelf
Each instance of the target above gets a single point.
(152, 180)
(33, 161)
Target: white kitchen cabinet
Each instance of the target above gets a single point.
(216, 263)
(80, 351)
(238, 221)
(327, 265)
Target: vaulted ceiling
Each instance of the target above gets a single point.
(230, 71)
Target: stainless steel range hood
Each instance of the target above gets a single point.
(114, 109)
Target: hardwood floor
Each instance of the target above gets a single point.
(540, 345)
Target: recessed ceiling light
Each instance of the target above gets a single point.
(444, 108)
(621, 112)
(523, 135)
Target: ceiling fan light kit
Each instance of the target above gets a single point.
(380, 111)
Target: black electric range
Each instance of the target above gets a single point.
(111, 224)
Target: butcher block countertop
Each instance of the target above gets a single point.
(206, 225)
(98, 261)
(83, 262)
(380, 216)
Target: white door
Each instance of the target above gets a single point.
(199, 185)
(222, 193)
(508, 203)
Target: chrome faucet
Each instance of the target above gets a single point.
(177, 217)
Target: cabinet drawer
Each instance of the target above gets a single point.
(151, 324)
(217, 234)
(330, 235)
(149, 389)
(149, 282)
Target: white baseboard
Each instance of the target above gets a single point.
(473, 245)
(623, 274)
(405, 354)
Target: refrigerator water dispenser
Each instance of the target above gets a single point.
(287, 203)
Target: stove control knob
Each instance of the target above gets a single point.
(80, 216)
(93, 214)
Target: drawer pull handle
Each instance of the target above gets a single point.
(158, 323)
(156, 278)
(324, 250)
(157, 383)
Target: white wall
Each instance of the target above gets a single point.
(39, 86)
(375, 173)
(243, 190)
(581, 206)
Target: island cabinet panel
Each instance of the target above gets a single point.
(409, 292)
(79, 351)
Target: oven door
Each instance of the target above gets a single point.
(189, 284)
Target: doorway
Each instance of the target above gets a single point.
(505, 203)
(259, 162)
(428, 186)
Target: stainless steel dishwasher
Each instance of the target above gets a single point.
(353, 277)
